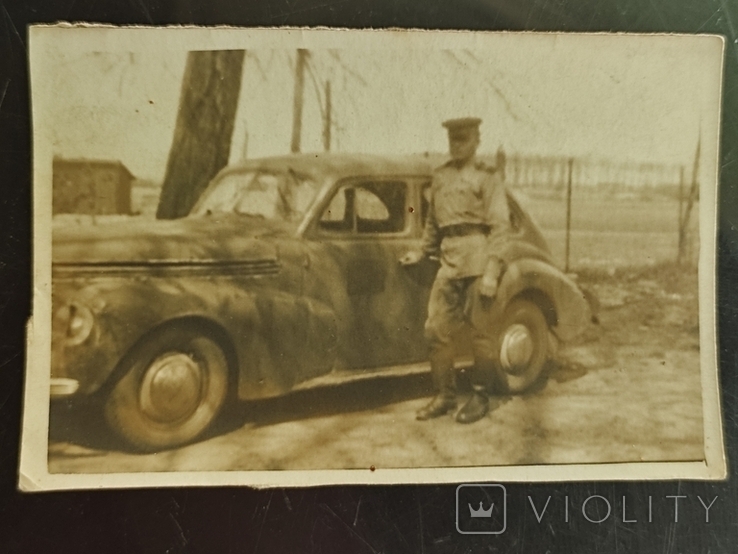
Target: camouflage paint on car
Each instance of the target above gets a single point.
(288, 303)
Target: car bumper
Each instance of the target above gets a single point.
(62, 387)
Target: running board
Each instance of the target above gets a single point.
(342, 376)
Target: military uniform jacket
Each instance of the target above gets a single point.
(470, 195)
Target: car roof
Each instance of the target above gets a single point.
(336, 166)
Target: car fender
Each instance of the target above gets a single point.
(563, 303)
(275, 339)
(124, 312)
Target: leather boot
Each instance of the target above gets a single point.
(475, 409)
(440, 405)
(487, 375)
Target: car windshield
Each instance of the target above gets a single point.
(276, 195)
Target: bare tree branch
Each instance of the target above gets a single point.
(538, 116)
(334, 54)
(489, 82)
(259, 67)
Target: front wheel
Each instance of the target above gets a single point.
(172, 388)
(523, 345)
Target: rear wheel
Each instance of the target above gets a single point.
(171, 389)
(523, 345)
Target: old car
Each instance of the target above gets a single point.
(285, 273)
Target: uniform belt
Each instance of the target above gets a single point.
(464, 229)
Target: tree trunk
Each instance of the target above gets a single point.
(202, 135)
(693, 195)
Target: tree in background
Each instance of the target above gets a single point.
(684, 214)
(202, 135)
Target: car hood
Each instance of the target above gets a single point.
(199, 240)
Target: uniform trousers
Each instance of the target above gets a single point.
(455, 303)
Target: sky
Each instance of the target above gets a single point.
(620, 98)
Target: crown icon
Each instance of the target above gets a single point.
(481, 512)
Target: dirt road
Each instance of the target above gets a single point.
(629, 390)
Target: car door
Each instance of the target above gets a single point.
(367, 225)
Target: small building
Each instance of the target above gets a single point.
(82, 186)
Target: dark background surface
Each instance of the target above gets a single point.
(390, 519)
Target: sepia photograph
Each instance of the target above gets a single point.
(279, 257)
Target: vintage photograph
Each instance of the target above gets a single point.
(293, 256)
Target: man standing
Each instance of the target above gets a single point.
(467, 228)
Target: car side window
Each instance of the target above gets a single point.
(380, 206)
(338, 215)
(367, 207)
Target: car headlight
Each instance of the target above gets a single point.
(79, 324)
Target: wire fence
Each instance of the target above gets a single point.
(551, 175)
(598, 213)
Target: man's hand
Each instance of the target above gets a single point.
(411, 258)
(490, 278)
(487, 287)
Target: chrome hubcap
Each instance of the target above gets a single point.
(517, 347)
(172, 387)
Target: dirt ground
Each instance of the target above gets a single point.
(629, 390)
